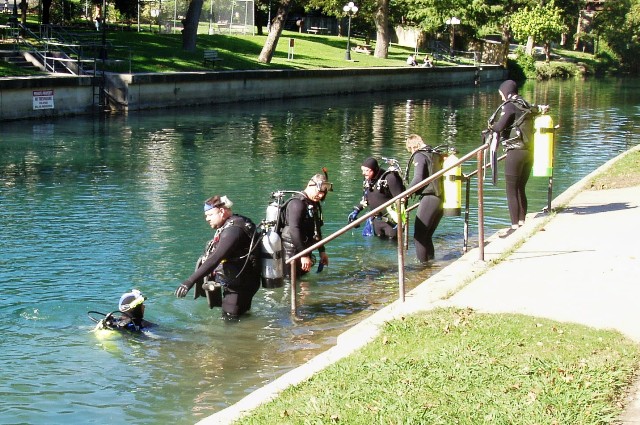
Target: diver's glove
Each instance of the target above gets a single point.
(354, 214)
(181, 291)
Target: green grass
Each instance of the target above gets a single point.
(457, 366)
(623, 173)
(163, 52)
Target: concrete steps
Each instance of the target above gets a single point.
(17, 59)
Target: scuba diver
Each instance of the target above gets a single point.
(131, 305)
(303, 222)
(512, 126)
(426, 161)
(228, 273)
(379, 186)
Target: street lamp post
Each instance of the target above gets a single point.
(453, 22)
(211, 18)
(350, 9)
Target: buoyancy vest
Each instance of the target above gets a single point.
(519, 135)
(232, 271)
(312, 220)
(434, 161)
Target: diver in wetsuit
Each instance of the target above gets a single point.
(517, 141)
(131, 305)
(379, 185)
(426, 162)
(231, 263)
(303, 223)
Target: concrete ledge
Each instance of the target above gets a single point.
(133, 92)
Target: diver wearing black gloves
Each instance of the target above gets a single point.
(426, 162)
(230, 263)
(379, 186)
(303, 223)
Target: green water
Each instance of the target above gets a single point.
(92, 207)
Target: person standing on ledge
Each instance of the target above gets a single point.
(512, 122)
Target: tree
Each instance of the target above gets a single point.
(371, 15)
(382, 29)
(619, 26)
(277, 25)
(190, 25)
(543, 23)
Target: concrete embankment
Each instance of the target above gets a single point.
(54, 96)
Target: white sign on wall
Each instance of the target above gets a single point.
(42, 99)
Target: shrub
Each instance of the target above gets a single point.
(523, 67)
(546, 71)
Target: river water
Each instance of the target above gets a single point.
(92, 207)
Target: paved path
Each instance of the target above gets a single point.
(580, 265)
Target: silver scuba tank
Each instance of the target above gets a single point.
(272, 214)
(272, 258)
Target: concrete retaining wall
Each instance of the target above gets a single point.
(132, 92)
(70, 95)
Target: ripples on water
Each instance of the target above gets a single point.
(92, 208)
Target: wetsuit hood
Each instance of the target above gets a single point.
(372, 164)
(508, 88)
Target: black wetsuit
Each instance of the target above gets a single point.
(518, 163)
(125, 323)
(430, 209)
(303, 221)
(384, 186)
(232, 264)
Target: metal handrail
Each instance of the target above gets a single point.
(395, 200)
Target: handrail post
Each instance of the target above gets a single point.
(294, 289)
(480, 206)
(467, 199)
(400, 252)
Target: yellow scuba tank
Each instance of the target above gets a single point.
(543, 146)
(452, 186)
(393, 214)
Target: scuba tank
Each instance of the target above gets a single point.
(272, 258)
(452, 186)
(543, 146)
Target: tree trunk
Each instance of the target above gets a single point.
(382, 29)
(46, 12)
(506, 36)
(529, 48)
(277, 25)
(547, 51)
(190, 25)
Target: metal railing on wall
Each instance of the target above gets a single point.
(397, 200)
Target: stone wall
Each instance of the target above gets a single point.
(132, 92)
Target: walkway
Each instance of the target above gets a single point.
(580, 265)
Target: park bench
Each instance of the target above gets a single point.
(211, 56)
(318, 30)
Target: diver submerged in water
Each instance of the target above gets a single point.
(379, 186)
(131, 305)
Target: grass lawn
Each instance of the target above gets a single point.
(456, 366)
(147, 51)
(163, 52)
(623, 173)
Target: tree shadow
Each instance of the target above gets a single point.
(595, 209)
